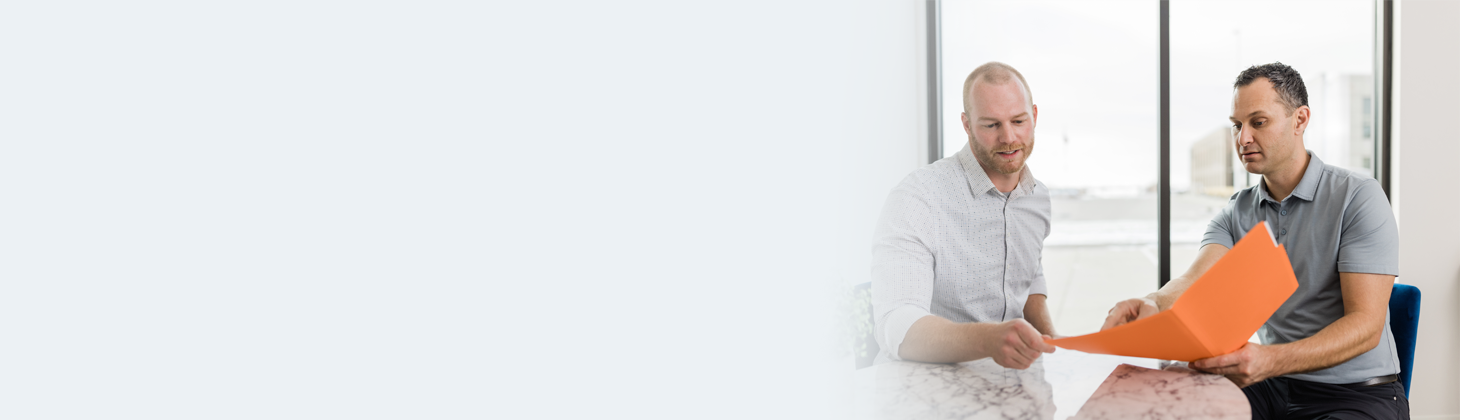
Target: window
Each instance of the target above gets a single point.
(1098, 134)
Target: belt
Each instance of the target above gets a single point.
(1376, 381)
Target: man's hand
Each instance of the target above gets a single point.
(1015, 344)
(1248, 365)
(1129, 310)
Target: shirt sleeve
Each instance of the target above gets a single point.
(1220, 230)
(1369, 242)
(902, 267)
(1037, 286)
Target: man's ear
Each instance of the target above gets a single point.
(967, 129)
(1034, 115)
(1301, 117)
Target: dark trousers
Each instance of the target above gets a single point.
(1284, 398)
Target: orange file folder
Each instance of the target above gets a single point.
(1215, 316)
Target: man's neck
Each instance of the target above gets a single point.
(1282, 183)
(1002, 181)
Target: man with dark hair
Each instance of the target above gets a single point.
(1327, 352)
(955, 258)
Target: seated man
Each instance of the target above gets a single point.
(955, 258)
(1327, 352)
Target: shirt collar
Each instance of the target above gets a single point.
(979, 182)
(1307, 187)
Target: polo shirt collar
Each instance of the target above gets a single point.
(1307, 187)
(978, 180)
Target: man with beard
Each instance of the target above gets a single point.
(1327, 353)
(956, 253)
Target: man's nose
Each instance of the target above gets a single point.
(1007, 135)
(1244, 138)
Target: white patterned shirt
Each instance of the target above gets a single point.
(950, 244)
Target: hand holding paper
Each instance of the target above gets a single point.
(1130, 310)
(1215, 316)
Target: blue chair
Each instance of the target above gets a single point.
(1404, 323)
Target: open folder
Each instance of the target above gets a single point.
(1215, 316)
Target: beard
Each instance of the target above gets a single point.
(990, 159)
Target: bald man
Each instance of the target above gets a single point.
(956, 270)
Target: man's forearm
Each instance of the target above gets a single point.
(1036, 311)
(1206, 257)
(1166, 296)
(937, 340)
(1344, 339)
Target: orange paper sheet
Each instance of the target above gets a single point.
(1215, 316)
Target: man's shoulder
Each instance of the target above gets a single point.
(1245, 194)
(1355, 198)
(1346, 182)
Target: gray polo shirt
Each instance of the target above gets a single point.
(1334, 221)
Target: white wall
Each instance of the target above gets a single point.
(1427, 187)
(442, 209)
(891, 143)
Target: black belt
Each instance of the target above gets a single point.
(1376, 381)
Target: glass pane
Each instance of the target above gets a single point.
(1093, 71)
(1329, 42)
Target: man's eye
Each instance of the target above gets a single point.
(991, 125)
(1237, 126)
(1018, 121)
(1257, 124)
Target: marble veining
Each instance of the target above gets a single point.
(1056, 387)
(1133, 392)
(974, 390)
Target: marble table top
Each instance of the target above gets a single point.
(1064, 385)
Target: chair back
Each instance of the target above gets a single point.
(1404, 323)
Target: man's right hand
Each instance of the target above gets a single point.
(1129, 310)
(1015, 344)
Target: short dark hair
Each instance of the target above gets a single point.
(1285, 80)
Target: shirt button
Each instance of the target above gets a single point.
(1284, 232)
(1285, 212)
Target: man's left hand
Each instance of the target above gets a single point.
(1248, 365)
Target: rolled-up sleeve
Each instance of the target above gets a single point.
(1037, 285)
(902, 266)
